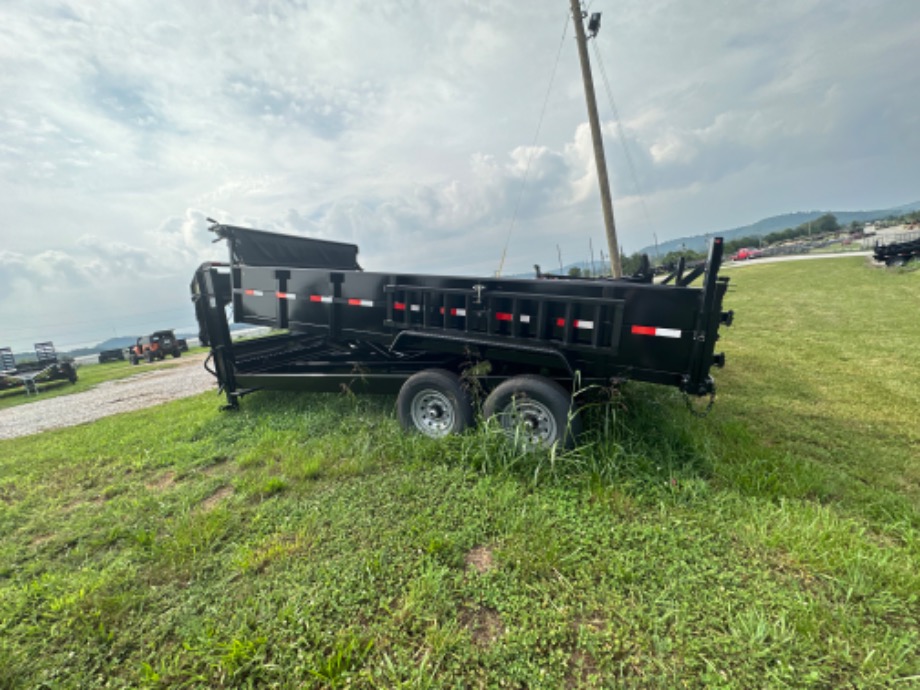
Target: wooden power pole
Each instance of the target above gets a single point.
(599, 158)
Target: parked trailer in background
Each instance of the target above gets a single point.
(47, 367)
(529, 340)
(113, 355)
(898, 253)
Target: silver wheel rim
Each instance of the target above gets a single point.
(433, 413)
(531, 422)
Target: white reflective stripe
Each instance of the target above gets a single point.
(254, 293)
(459, 312)
(286, 295)
(589, 325)
(525, 318)
(416, 307)
(667, 332)
(360, 303)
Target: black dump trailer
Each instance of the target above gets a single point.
(46, 367)
(898, 253)
(524, 343)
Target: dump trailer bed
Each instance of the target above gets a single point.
(373, 331)
(898, 253)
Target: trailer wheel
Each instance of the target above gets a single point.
(177, 354)
(535, 411)
(148, 356)
(134, 359)
(435, 403)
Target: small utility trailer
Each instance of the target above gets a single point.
(47, 367)
(112, 355)
(526, 344)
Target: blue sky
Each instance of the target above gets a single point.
(407, 127)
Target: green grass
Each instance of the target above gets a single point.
(306, 542)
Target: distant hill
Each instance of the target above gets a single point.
(110, 344)
(763, 227)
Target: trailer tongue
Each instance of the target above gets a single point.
(420, 335)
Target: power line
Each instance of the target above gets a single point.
(616, 116)
(517, 206)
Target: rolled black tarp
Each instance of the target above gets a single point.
(261, 248)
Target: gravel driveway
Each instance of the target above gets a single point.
(145, 389)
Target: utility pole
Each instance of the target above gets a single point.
(601, 162)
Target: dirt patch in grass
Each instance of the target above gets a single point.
(581, 667)
(211, 502)
(163, 482)
(787, 567)
(480, 558)
(484, 624)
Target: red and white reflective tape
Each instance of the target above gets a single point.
(253, 293)
(455, 312)
(285, 295)
(577, 323)
(505, 316)
(659, 332)
(324, 299)
(360, 303)
(401, 306)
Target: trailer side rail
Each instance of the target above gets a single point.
(438, 311)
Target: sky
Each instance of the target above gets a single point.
(435, 135)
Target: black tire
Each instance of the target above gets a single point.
(434, 402)
(134, 359)
(148, 356)
(177, 354)
(535, 410)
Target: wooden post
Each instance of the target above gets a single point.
(599, 158)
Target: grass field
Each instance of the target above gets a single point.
(306, 542)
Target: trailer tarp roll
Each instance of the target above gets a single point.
(260, 248)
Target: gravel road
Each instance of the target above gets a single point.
(145, 389)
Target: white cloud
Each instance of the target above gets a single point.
(408, 127)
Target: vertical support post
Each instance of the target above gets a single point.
(707, 323)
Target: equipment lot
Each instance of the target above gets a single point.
(152, 387)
